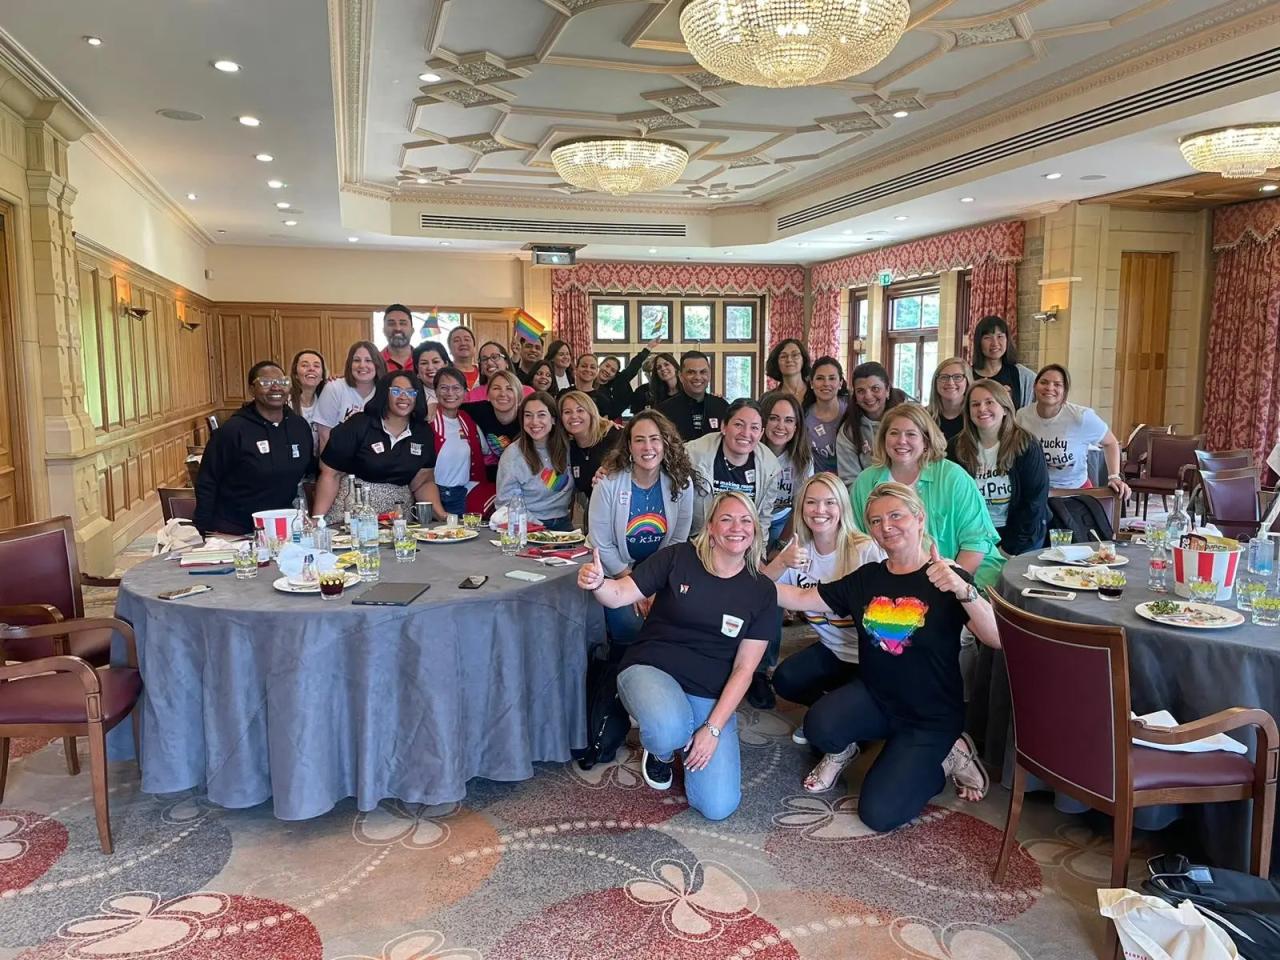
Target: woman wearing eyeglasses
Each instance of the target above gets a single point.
(460, 467)
(946, 400)
(389, 446)
(256, 460)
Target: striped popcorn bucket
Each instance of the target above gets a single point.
(1220, 566)
(275, 522)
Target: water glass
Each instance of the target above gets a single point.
(1203, 591)
(275, 545)
(332, 584)
(406, 547)
(1111, 584)
(1059, 537)
(472, 521)
(423, 514)
(369, 565)
(1266, 608)
(1262, 554)
(1247, 590)
(451, 520)
(246, 562)
(509, 539)
(1157, 535)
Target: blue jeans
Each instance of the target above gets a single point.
(453, 499)
(558, 524)
(668, 718)
(623, 624)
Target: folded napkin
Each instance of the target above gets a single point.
(1030, 573)
(176, 534)
(292, 556)
(1163, 718)
(499, 522)
(564, 553)
(215, 552)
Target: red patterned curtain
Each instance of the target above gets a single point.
(1242, 372)
(786, 318)
(824, 327)
(994, 292)
(571, 317)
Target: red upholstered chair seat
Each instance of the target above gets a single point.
(59, 697)
(1158, 769)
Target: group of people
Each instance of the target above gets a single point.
(878, 520)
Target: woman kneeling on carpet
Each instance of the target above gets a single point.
(910, 610)
(713, 612)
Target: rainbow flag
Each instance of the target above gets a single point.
(431, 325)
(528, 327)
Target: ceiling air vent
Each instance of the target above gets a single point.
(577, 227)
(1208, 81)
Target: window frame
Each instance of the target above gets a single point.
(891, 338)
(964, 300)
(858, 295)
(754, 307)
(726, 355)
(595, 321)
(684, 305)
(671, 320)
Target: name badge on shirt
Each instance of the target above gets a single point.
(715, 422)
(751, 476)
(730, 626)
(820, 430)
(378, 447)
(415, 449)
(264, 446)
(297, 454)
(576, 472)
(624, 499)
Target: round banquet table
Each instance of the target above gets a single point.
(1190, 673)
(253, 694)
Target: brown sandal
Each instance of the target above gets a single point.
(965, 769)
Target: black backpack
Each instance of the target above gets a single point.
(1080, 515)
(607, 719)
(1245, 906)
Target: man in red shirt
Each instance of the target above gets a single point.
(462, 347)
(397, 327)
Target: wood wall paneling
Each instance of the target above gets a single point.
(13, 496)
(1142, 339)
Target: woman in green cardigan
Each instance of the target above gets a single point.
(909, 448)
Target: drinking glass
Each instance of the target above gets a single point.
(451, 520)
(1262, 554)
(472, 521)
(1111, 584)
(246, 563)
(332, 584)
(369, 565)
(1203, 591)
(274, 545)
(1246, 591)
(406, 547)
(509, 539)
(1157, 535)
(1266, 608)
(1059, 537)
(422, 513)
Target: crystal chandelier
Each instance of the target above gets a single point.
(1236, 152)
(619, 165)
(791, 43)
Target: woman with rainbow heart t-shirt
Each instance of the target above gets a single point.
(536, 466)
(909, 610)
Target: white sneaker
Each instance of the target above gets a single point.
(797, 736)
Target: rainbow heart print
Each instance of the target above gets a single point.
(552, 480)
(648, 524)
(892, 622)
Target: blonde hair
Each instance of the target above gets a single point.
(935, 401)
(597, 427)
(702, 542)
(910, 499)
(850, 540)
(512, 380)
(935, 445)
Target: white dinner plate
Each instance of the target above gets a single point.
(1196, 616)
(554, 538)
(284, 586)
(436, 535)
(1070, 578)
(1054, 557)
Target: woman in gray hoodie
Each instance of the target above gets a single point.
(536, 466)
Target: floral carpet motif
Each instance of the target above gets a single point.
(571, 865)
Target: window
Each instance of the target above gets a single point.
(964, 297)
(859, 318)
(427, 325)
(611, 320)
(697, 322)
(911, 337)
(739, 322)
(739, 375)
(655, 320)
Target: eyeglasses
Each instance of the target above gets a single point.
(265, 383)
(448, 388)
(951, 378)
(403, 392)
(492, 356)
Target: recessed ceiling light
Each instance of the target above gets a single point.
(422, 179)
(846, 232)
(264, 157)
(222, 231)
(282, 205)
(966, 199)
(901, 113)
(191, 196)
(290, 223)
(248, 121)
(1093, 176)
(802, 243)
(275, 184)
(353, 239)
(446, 243)
(728, 253)
(653, 249)
(899, 218)
(171, 114)
(226, 66)
(1053, 176)
(93, 41)
(1269, 188)
(429, 77)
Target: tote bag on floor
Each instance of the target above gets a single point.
(1151, 929)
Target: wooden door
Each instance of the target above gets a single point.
(1142, 340)
(13, 501)
(342, 329)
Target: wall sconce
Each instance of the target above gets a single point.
(857, 345)
(190, 325)
(138, 313)
(1046, 316)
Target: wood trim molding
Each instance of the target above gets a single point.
(90, 250)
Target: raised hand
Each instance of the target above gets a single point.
(591, 575)
(942, 573)
(794, 555)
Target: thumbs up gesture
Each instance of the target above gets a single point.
(591, 575)
(942, 573)
(794, 555)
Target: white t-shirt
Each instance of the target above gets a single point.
(838, 634)
(339, 401)
(996, 488)
(1065, 440)
(453, 462)
(788, 480)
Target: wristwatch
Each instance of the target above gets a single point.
(971, 595)
(715, 731)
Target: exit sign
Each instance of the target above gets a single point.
(885, 277)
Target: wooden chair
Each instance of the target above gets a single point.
(1069, 685)
(1223, 459)
(1231, 500)
(64, 696)
(1133, 454)
(1168, 457)
(177, 502)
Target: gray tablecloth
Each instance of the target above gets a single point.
(254, 694)
(1190, 673)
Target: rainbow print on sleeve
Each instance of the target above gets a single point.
(892, 622)
(553, 481)
(648, 524)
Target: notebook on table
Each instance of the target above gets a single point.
(392, 594)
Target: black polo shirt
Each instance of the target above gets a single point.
(693, 418)
(362, 447)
